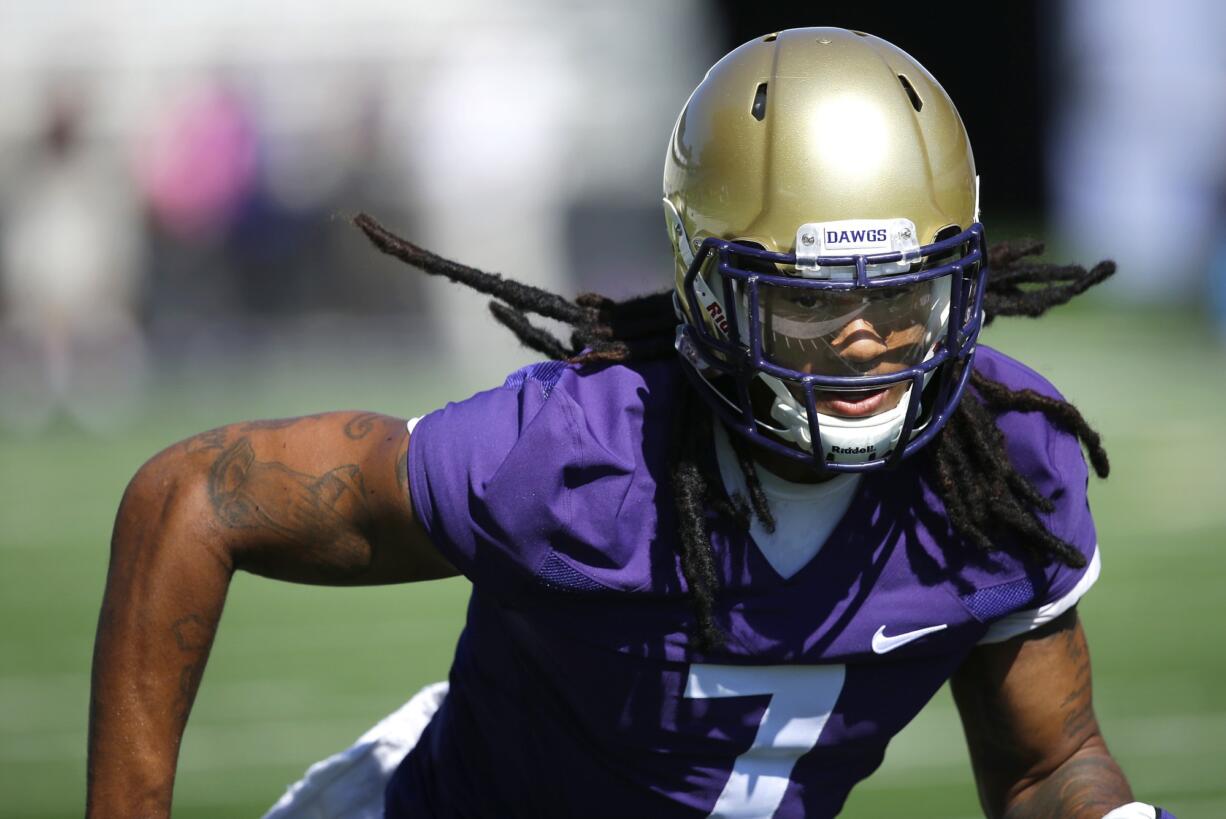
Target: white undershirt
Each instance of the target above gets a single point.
(805, 513)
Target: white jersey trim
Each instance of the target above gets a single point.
(1021, 622)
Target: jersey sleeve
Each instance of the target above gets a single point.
(1051, 458)
(468, 484)
(529, 484)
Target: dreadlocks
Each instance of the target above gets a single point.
(988, 501)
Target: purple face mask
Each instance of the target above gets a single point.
(859, 331)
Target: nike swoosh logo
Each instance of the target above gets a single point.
(882, 643)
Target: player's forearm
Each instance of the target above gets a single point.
(1088, 785)
(165, 589)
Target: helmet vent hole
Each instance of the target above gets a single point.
(859, 33)
(759, 103)
(916, 102)
(770, 38)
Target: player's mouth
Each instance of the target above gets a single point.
(852, 404)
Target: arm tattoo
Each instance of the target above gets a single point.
(189, 681)
(1088, 785)
(213, 439)
(1077, 707)
(247, 493)
(193, 634)
(359, 426)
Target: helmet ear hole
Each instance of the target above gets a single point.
(759, 103)
(912, 94)
(947, 232)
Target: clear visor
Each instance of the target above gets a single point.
(874, 331)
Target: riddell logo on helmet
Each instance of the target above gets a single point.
(854, 450)
(717, 316)
(856, 237)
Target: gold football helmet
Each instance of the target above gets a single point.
(821, 198)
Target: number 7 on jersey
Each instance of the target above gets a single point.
(802, 698)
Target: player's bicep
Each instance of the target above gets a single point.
(317, 499)
(1026, 706)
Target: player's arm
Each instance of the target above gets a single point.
(321, 499)
(1029, 720)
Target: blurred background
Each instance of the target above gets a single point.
(176, 185)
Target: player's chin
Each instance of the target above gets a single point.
(861, 403)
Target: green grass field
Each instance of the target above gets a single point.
(300, 672)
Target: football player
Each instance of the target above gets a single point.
(707, 583)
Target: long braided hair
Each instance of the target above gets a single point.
(988, 501)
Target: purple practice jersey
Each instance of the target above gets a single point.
(575, 690)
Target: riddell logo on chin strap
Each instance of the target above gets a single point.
(854, 450)
(717, 316)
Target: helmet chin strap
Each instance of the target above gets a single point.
(844, 440)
